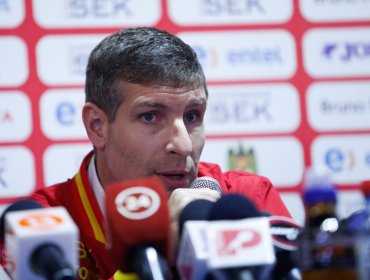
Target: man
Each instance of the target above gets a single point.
(146, 97)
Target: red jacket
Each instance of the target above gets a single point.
(77, 196)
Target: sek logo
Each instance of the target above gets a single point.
(234, 242)
(41, 222)
(137, 203)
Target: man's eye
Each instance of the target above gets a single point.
(148, 117)
(191, 117)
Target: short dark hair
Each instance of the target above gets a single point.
(143, 55)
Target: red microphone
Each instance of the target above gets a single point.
(138, 227)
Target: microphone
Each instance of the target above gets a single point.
(206, 182)
(196, 210)
(138, 208)
(193, 252)
(26, 204)
(232, 236)
(239, 240)
(40, 242)
(233, 207)
(3, 274)
(285, 232)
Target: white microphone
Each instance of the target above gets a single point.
(3, 274)
(239, 240)
(40, 243)
(226, 238)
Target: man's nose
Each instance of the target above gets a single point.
(179, 139)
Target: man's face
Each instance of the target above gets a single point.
(157, 131)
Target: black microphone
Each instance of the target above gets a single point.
(233, 207)
(196, 210)
(39, 242)
(285, 232)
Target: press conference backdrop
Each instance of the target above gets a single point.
(289, 85)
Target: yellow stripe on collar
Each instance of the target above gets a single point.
(119, 275)
(99, 235)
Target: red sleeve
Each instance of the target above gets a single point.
(257, 188)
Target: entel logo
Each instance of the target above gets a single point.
(207, 57)
(234, 241)
(41, 222)
(137, 203)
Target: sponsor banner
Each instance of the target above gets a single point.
(346, 157)
(96, 13)
(337, 52)
(334, 10)
(61, 111)
(12, 13)
(293, 201)
(221, 12)
(15, 116)
(235, 109)
(67, 156)
(17, 171)
(339, 106)
(14, 63)
(70, 53)
(248, 55)
(280, 158)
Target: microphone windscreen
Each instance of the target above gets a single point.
(196, 210)
(233, 207)
(206, 182)
(24, 204)
(137, 215)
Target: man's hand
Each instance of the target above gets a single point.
(178, 200)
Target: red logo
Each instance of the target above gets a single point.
(231, 242)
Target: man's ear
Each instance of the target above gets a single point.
(96, 124)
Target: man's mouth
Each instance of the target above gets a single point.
(174, 180)
(174, 176)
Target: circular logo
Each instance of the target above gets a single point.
(137, 203)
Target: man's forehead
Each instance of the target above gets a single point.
(159, 98)
(133, 88)
(137, 92)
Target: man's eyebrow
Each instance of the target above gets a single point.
(148, 103)
(198, 102)
(154, 104)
